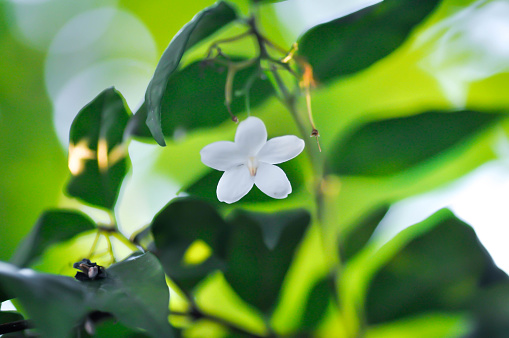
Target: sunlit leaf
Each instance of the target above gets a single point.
(201, 26)
(52, 227)
(194, 98)
(135, 292)
(97, 154)
(442, 270)
(356, 41)
(176, 228)
(354, 240)
(259, 257)
(389, 146)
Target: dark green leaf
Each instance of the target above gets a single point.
(194, 98)
(54, 303)
(201, 26)
(442, 270)
(491, 310)
(97, 155)
(258, 258)
(113, 328)
(354, 240)
(135, 292)
(12, 324)
(9, 317)
(389, 146)
(318, 301)
(176, 227)
(4, 295)
(254, 250)
(356, 41)
(52, 227)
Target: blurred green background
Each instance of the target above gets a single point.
(57, 55)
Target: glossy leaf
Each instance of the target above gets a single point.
(354, 42)
(389, 146)
(201, 26)
(43, 296)
(176, 228)
(353, 241)
(52, 227)
(194, 98)
(135, 292)
(258, 257)
(97, 155)
(442, 270)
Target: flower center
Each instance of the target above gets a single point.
(252, 165)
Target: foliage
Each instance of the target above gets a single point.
(307, 265)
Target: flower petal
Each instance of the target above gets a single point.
(272, 181)
(281, 149)
(251, 135)
(221, 155)
(234, 184)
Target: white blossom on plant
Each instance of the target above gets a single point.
(250, 160)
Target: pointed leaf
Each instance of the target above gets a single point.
(442, 270)
(389, 146)
(356, 41)
(52, 227)
(97, 155)
(176, 228)
(194, 98)
(201, 26)
(135, 292)
(255, 270)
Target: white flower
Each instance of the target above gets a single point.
(250, 160)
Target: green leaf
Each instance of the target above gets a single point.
(254, 250)
(356, 41)
(442, 270)
(353, 241)
(135, 292)
(97, 152)
(201, 26)
(194, 98)
(258, 257)
(52, 227)
(321, 295)
(54, 303)
(389, 146)
(176, 228)
(9, 317)
(491, 309)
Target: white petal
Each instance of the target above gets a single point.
(272, 181)
(221, 155)
(234, 184)
(251, 135)
(281, 149)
